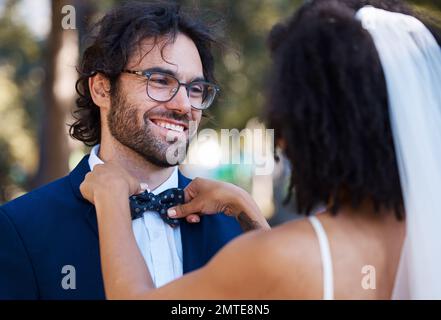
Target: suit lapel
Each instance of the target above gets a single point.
(76, 178)
(91, 219)
(192, 238)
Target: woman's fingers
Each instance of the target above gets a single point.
(86, 189)
(193, 218)
(193, 189)
(204, 196)
(185, 209)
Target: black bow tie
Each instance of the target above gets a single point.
(147, 201)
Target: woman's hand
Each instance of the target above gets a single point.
(107, 180)
(203, 196)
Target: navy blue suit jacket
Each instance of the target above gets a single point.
(54, 226)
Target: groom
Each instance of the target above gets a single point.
(146, 77)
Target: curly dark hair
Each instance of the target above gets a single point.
(117, 35)
(328, 103)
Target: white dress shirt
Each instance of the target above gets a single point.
(160, 244)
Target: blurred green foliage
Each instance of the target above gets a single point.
(21, 76)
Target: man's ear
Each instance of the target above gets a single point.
(99, 87)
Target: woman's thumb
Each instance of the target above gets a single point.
(184, 210)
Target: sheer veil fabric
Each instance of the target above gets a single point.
(411, 61)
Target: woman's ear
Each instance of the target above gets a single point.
(99, 87)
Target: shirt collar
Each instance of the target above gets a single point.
(171, 182)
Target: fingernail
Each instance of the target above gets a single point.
(144, 187)
(171, 213)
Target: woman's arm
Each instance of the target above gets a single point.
(241, 270)
(124, 270)
(125, 273)
(203, 196)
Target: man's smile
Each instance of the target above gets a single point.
(169, 124)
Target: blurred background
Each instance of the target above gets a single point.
(37, 79)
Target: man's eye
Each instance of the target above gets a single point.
(161, 81)
(196, 90)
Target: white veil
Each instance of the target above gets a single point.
(411, 61)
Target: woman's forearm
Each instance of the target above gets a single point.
(249, 215)
(124, 270)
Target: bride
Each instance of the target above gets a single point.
(355, 100)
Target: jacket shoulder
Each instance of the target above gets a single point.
(41, 202)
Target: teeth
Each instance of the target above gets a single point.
(170, 126)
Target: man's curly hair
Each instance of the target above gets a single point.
(117, 35)
(328, 103)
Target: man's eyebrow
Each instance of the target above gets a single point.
(162, 70)
(172, 73)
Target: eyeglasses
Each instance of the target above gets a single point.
(163, 87)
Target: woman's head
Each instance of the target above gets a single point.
(328, 104)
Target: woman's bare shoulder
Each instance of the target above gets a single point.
(284, 259)
(295, 235)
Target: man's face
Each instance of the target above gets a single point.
(146, 126)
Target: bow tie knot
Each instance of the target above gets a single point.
(160, 203)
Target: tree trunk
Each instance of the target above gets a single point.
(59, 93)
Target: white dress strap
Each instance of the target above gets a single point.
(325, 252)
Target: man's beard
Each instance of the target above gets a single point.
(124, 126)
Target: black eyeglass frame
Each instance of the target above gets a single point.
(148, 74)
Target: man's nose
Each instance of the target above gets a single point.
(180, 102)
